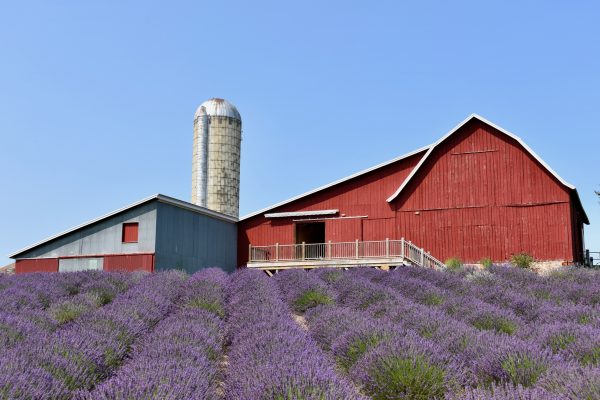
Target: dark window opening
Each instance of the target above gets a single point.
(130, 232)
(312, 232)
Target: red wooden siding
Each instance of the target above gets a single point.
(36, 265)
(479, 194)
(129, 262)
(343, 230)
(364, 195)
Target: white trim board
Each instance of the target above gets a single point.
(301, 213)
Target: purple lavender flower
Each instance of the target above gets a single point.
(408, 366)
(270, 356)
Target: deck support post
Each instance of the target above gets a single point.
(303, 250)
(422, 256)
(329, 250)
(387, 247)
(250, 253)
(276, 251)
(402, 247)
(356, 248)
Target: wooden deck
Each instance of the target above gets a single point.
(384, 254)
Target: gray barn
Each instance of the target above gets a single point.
(156, 233)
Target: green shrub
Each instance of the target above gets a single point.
(428, 330)
(522, 370)
(311, 298)
(332, 276)
(560, 341)
(486, 262)
(542, 294)
(67, 312)
(404, 378)
(432, 299)
(591, 357)
(101, 296)
(488, 322)
(522, 260)
(453, 264)
(584, 318)
(10, 334)
(372, 298)
(294, 391)
(211, 306)
(357, 348)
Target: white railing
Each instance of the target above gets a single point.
(344, 250)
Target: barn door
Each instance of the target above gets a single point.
(312, 234)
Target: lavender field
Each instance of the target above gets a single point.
(412, 333)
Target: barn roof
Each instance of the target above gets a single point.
(432, 147)
(427, 151)
(157, 197)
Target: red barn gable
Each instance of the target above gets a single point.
(479, 191)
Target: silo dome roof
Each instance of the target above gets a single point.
(218, 108)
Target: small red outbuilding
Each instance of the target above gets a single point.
(478, 192)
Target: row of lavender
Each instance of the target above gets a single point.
(411, 333)
(400, 337)
(38, 304)
(568, 329)
(83, 352)
(180, 358)
(270, 355)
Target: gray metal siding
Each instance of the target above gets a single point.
(104, 237)
(191, 241)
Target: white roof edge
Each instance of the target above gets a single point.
(301, 213)
(261, 211)
(499, 128)
(158, 196)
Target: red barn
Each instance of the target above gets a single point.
(478, 192)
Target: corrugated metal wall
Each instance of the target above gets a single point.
(129, 262)
(36, 265)
(479, 194)
(191, 241)
(119, 262)
(104, 237)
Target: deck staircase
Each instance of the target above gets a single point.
(383, 253)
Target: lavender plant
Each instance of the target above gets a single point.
(180, 358)
(270, 356)
(302, 290)
(89, 349)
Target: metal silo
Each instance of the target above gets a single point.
(216, 157)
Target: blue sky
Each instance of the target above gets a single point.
(97, 99)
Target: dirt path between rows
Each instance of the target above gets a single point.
(221, 370)
(301, 320)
